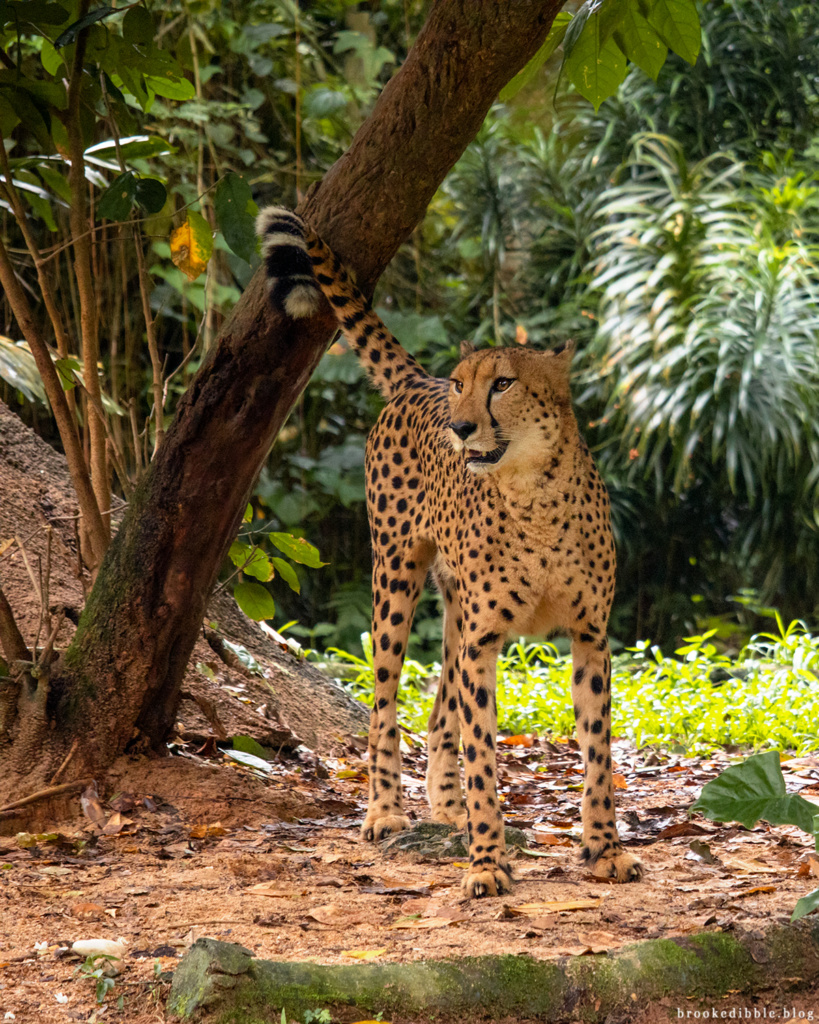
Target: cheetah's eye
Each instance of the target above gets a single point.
(503, 384)
(458, 385)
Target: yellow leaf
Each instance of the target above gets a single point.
(372, 1022)
(364, 954)
(6, 544)
(192, 245)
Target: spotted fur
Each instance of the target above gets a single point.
(484, 481)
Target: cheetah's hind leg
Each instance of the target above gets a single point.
(443, 736)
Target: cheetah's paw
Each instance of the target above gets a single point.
(450, 816)
(616, 864)
(379, 826)
(488, 881)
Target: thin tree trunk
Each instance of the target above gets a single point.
(127, 661)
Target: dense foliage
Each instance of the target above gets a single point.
(697, 702)
(671, 233)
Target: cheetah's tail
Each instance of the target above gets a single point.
(288, 266)
(300, 266)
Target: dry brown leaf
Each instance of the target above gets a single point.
(517, 741)
(335, 916)
(266, 889)
(619, 781)
(550, 839)
(531, 909)
(364, 954)
(205, 831)
(750, 892)
(87, 911)
(426, 923)
(750, 867)
(115, 824)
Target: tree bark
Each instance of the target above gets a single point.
(125, 665)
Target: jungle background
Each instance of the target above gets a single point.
(671, 233)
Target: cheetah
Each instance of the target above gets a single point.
(483, 480)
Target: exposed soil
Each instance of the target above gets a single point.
(193, 846)
(198, 844)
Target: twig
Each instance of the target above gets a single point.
(43, 794)
(64, 765)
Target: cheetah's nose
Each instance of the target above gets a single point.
(463, 428)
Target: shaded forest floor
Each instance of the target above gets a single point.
(198, 845)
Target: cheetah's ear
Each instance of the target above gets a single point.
(563, 354)
(467, 348)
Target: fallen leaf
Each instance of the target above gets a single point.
(206, 831)
(750, 892)
(396, 890)
(750, 867)
(87, 911)
(619, 781)
(517, 741)
(266, 889)
(115, 824)
(683, 828)
(809, 868)
(426, 923)
(364, 954)
(335, 916)
(550, 839)
(531, 909)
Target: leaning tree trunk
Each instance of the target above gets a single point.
(123, 670)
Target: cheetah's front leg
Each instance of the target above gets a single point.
(591, 693)
(489, 873)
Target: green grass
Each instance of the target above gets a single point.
(698, 701)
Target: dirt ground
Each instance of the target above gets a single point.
(196, 845)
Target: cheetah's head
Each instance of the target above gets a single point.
(507, 405)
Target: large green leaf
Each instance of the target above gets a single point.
(118, 198)
(17, 366)
(171, 86)
(596, 65)
(287, 573)
(235, 210)
(678, 23)
(254, 600)
(752, 791)
(298, 549)
(806, 905)
(640, 42)
(151, 194)
(251, 560)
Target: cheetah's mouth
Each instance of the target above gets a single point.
(475, 457)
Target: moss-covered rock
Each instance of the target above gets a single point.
(227, 984)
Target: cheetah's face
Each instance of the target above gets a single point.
(506, 404)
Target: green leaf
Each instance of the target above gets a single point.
(678, 24)
(324, 102)
(35, 12)
(640, 42)
(248, 516)
(752, 790)
(234, 208)
(138, 26)
(51, 60)
(287, 573)
(17, 366)
(251, 560)
(66, 371)
(250, 746)
(298, 549)
(202, 233)
(151, 194)
(596, 67)
(171, 86)
(528, 72)
(254, 600)
(251, 760)
(806, 905)
(118, 198)
(55, 181)
(71, 33)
